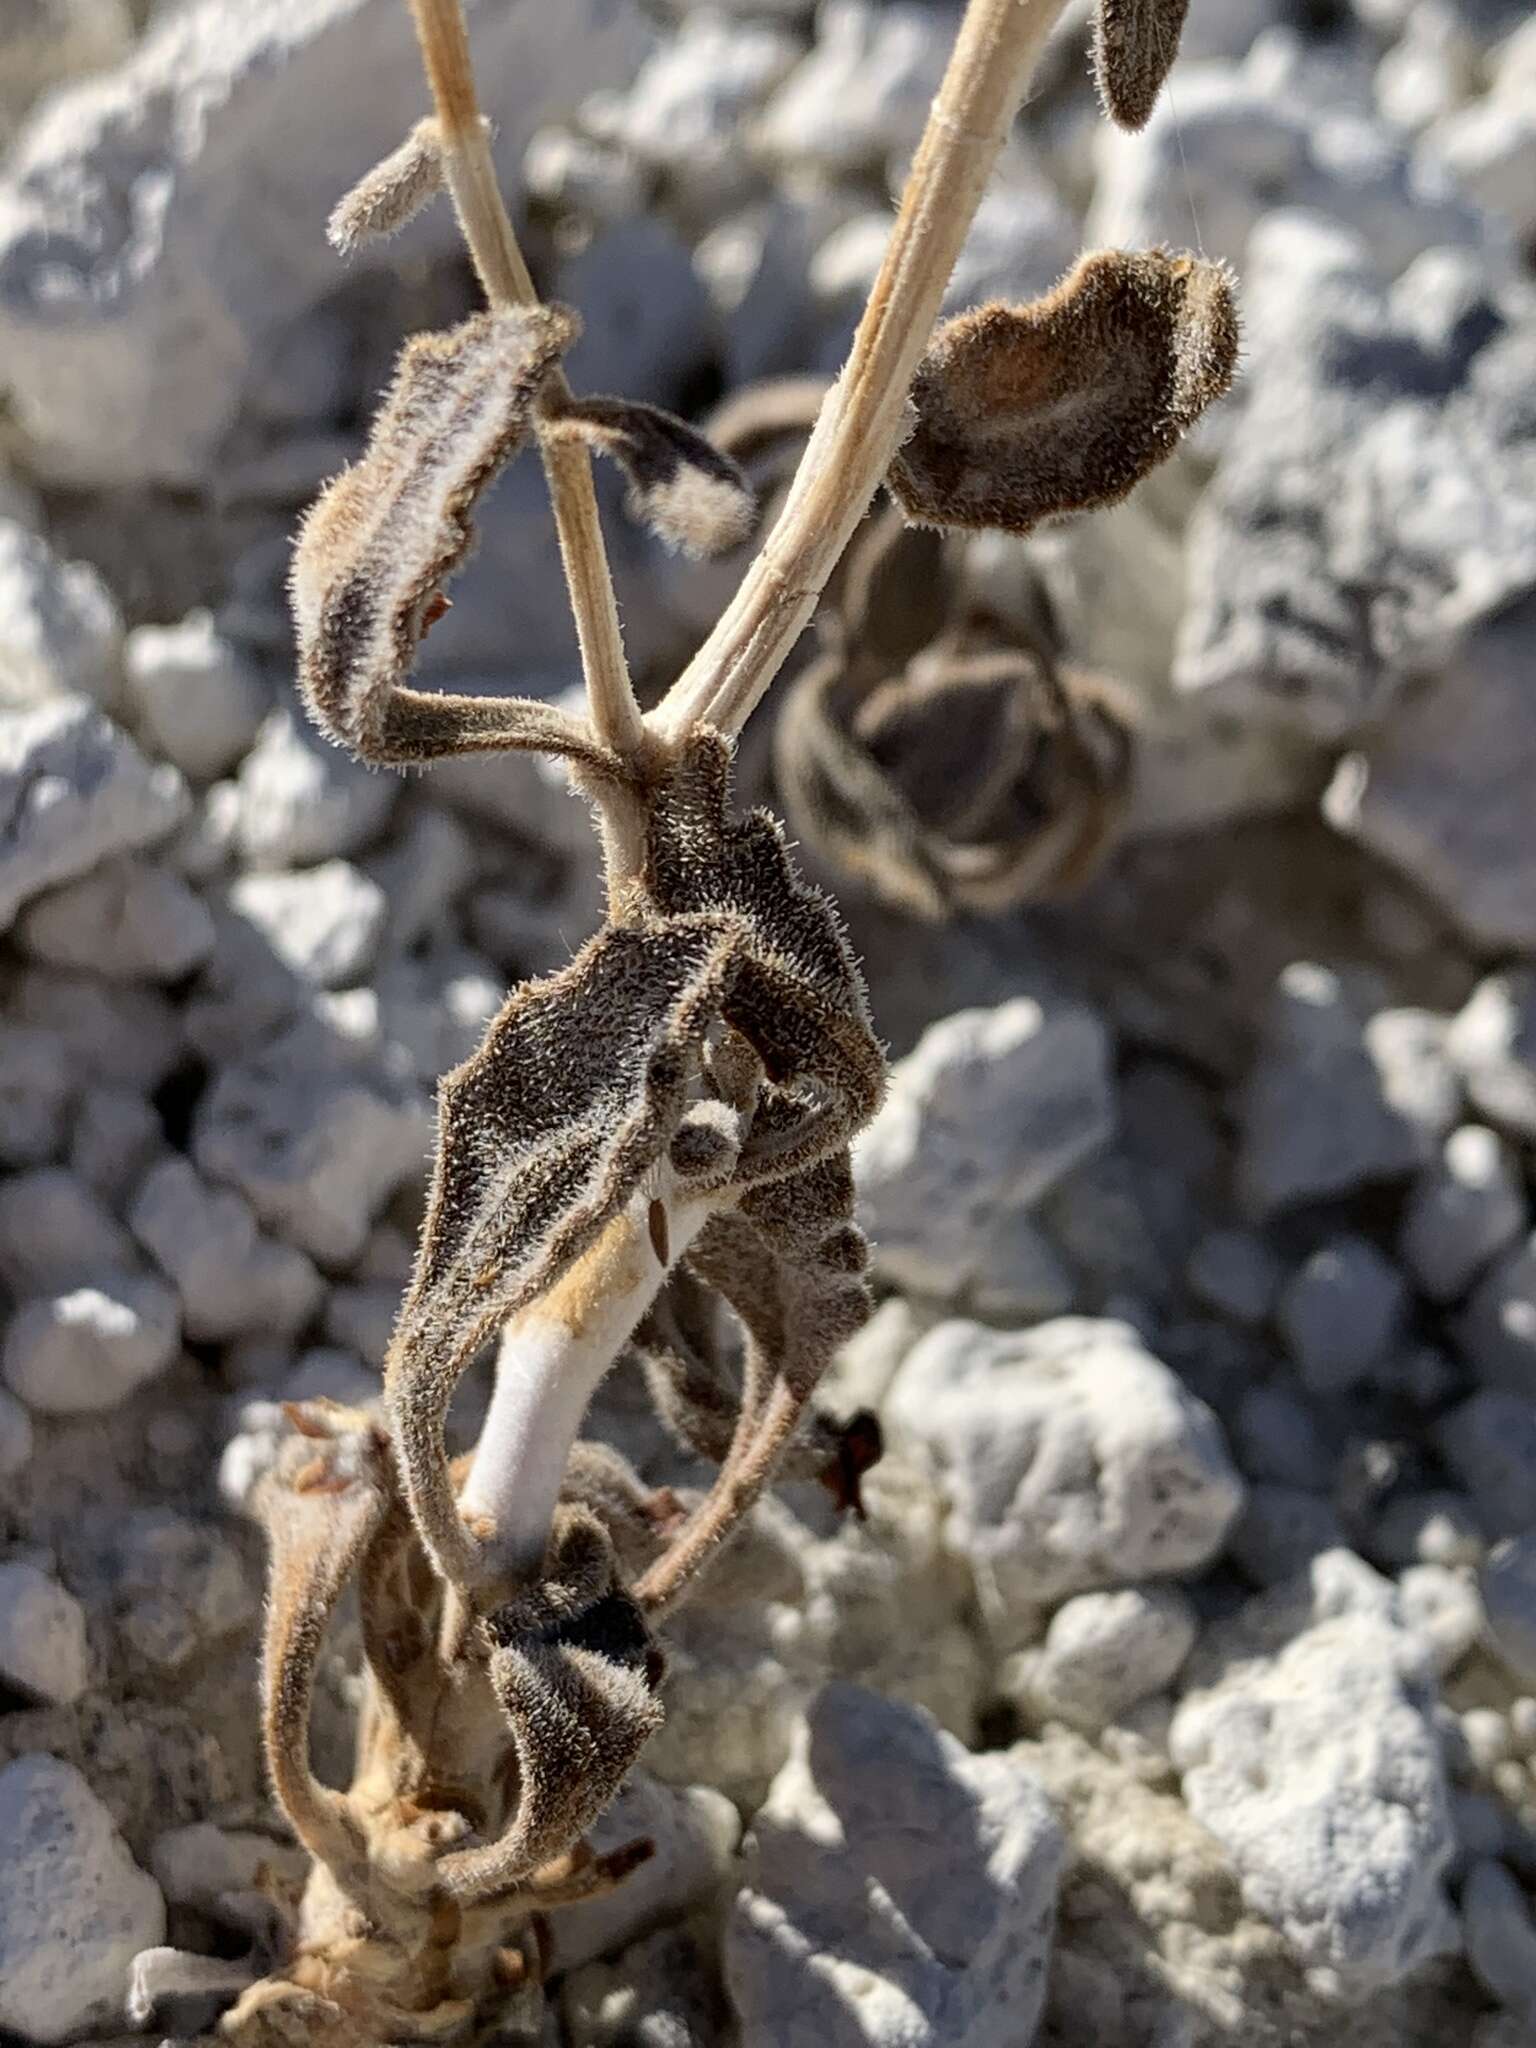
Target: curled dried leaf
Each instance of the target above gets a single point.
(796, 996)
(392, 193)
(575, 1670)
(1134, 45)
(543, 1135)
(790, 1262)
(681, 487)
(322, 1508)
(384, 536)
(695, 1385)
(588, 1079)
(1025, 413)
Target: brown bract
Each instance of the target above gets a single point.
(1134, 45)
(1025, 413)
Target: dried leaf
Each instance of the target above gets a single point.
(795, 993)
(382, 538)
(695, 1387)
(392, 193)
(321, 1510)
(681, 487)
(575, 1670)
(1063, 405)
(1134, 45)
(543, 1135)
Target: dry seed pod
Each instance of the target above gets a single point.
(1134, 45)
(681, 487)
(392, 193)
(1062, 405)
(383, 537)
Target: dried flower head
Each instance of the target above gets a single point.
(946, 761)
(1134, 45)
(1063, 405)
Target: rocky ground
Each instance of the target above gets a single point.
(1181, 1687)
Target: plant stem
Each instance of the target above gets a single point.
(552, 1357)
(860, 424)
(504, 277)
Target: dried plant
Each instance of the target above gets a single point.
(656, 1137)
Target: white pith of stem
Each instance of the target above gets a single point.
(861, 420)
(549, 1364)
(505, 279)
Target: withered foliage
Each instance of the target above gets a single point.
(379, 545)
(587, 1078)
(477, 1773)
(384, 537)
(1025, 413)
(1134, 45)
(659, 1133)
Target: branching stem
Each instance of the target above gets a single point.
(861, 421)
(504, 276)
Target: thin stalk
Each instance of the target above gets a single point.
(861, 422)
(505, 279)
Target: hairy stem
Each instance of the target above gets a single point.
(861, 422)
(552, 1357)
(504, 276)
